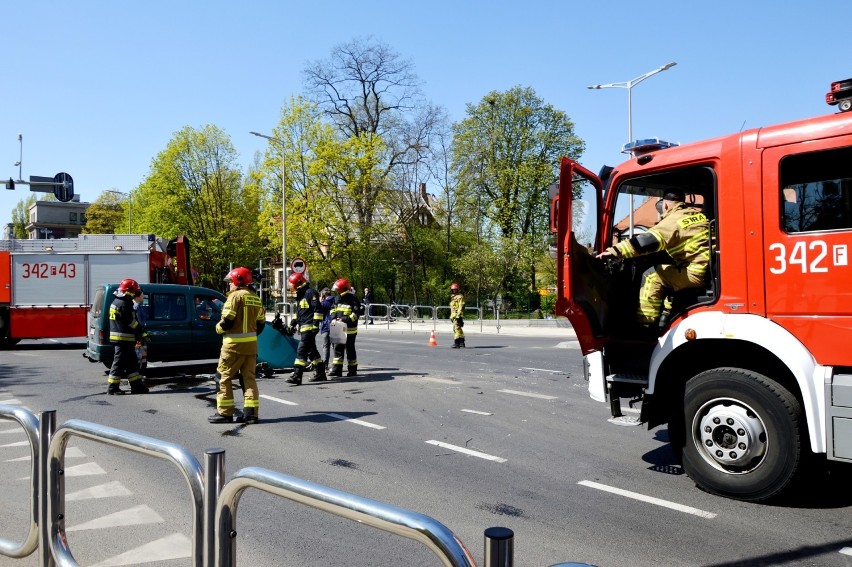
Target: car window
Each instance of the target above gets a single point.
(166, 307)
(207, 307)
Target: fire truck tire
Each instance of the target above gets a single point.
(845, 105)
(744, 434)
(6, 342)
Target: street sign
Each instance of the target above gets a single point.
(298, 265)
(64, 187)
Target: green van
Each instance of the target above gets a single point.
(180, 322)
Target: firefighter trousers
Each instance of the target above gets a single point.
(657, 282)
(230, 364)
(349, 349)
(125, 364)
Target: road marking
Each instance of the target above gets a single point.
(568, 344)
(440, 380)
(110, 489)
(649, 499)
(355, 421)
(135, 516)
(528, 394)
(477, 412)
(846, 551)
(11, 402)
(13, 430)
(175, 546)
(15, 444)
(540, 369)
(470, 452)
(279, 400)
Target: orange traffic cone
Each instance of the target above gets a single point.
(432, 341)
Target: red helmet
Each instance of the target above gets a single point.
(296, 280)
(341, 285)
(454, 287)
(239, 276)
(128, 286)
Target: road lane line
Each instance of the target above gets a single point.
(649, 499)
(540, 369)
(470, 452)
(477, 412)
(15, 444)
(279, 400)
(355, 421)
(528, 394)
(846, 551)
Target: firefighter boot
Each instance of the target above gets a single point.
(296, 377)
(249, 415)
(114, 390)
(353, 371)
(219, 418)
(336, 370)
(461, 343)
(320, 372)
(457, 343)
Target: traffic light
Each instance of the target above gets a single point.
(10, 185)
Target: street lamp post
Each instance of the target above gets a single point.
(129, 208)
(283, 208)
(629, 86)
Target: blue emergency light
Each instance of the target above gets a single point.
(646, 145)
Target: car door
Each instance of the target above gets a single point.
(575, 217)
(168, 324)
(206, 312)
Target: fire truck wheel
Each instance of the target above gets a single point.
(6, 342)
(744, 434)
(845, 105)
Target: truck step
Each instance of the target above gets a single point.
(627, 379)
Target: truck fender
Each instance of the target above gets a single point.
(763, 332)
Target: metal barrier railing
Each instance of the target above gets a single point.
(214, 503)
(183, 459)
(399, 521)
(30, 424)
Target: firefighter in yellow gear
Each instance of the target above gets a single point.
(243, 318)
(682, 232)
(457, 315)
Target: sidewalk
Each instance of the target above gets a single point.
(555, 328)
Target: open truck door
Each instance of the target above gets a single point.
(581, 283)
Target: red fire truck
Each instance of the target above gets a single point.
(752, 373)
(47, 286)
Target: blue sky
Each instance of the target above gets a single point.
(97, 89)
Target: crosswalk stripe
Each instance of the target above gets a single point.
(15, 444)
(141, 514)
(175, 546)
(114, 488)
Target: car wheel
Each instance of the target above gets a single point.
(743, 434)
(845, 105)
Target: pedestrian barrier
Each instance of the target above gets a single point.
(214, 503)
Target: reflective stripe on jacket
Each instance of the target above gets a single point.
(246, 311)
(123, 326)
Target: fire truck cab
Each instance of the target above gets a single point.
(752, 373)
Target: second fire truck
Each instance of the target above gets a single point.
(47, 286)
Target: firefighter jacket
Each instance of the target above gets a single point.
(309, 313)
(346, 307)
(243, 318)
(123, 326)
(456, 306)
(683, 232)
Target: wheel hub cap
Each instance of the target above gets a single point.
(731, 435)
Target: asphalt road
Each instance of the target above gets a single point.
(501, 433)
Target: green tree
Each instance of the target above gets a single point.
(505, 154)
(105, 215)
(374, 101)
(21, 216)
(195, 188)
